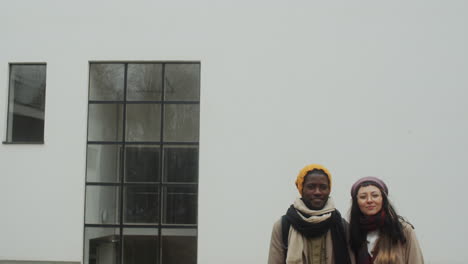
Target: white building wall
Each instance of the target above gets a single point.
(364, 87)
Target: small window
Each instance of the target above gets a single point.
(26, 103)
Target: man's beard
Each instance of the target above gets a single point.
(311, 207)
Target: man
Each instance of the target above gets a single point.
(312, 231)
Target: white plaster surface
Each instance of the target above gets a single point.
(363, 87)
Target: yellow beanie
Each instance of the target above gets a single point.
(305, 170)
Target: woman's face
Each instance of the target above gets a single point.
(369, 199)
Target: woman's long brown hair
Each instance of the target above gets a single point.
(390, 234)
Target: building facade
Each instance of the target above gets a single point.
(169, 132)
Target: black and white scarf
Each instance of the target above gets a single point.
(309, 223)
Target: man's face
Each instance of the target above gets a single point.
(316, 190)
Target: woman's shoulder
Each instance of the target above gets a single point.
(408, 227)
(412, 249)
(405, 223)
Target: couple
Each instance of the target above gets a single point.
(313, 231)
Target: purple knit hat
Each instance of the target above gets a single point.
(374, 180)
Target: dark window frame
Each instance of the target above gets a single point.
(122, 144)
(7, 140)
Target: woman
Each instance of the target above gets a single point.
(378, 234)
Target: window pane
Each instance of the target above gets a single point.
(26, 103)
(179, 246)
(141, 204)
(181, 164)
(105, 122)
(103, 163)
(142, 163)
(182, 82)
(181, 122)
(180, 204)
(140, 246)
(144, 82)
(150, 180)
(143, 122)
(102, 203)
(106, 82)
(102, 245)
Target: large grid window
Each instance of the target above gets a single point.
(142, 163)
(26, 103)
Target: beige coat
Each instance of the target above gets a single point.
(410, 252)
(277, 249)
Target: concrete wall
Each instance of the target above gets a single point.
(363, 87)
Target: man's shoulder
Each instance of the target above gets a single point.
(343, 220)
(280, 222)
(277, 223)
